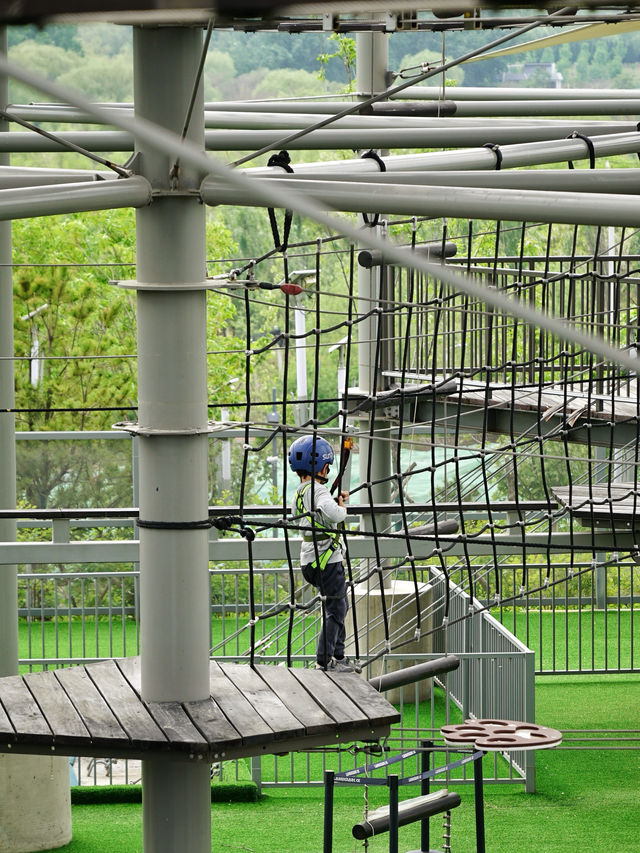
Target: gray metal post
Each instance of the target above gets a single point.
(374, 460)
(172, 393)
(9, 574)
(530, 716)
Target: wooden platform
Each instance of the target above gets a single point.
(96, 710)
(573, 402)
(616, 505)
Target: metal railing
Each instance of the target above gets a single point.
(496, 678)
(81, 617)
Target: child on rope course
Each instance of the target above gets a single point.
(321, 554)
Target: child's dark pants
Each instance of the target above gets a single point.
(331, 583)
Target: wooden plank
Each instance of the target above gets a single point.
(102, 725)
(331, 699)
(126, 705)
(23, 712)
(215, 728)
(618, 501)
(56, 707)
(171, 717)
(297, 699)
(7, 732)
(373, 704)
(272, 710)
(250, 725)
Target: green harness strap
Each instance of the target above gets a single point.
(333, 535)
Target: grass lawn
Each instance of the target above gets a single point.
(573, 640)
(585, 801)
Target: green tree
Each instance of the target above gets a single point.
(75, 339)
(64, 36)
(345, 53)
(288, 83)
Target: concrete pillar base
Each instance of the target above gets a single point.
(35, 803)
(401, 610)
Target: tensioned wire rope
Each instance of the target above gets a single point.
(158, 137)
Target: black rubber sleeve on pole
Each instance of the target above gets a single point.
(283, 160)
(590, 147)
(369, 258)
(373, 155)
(496, 150)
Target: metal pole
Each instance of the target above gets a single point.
(327, 846)
(528, 154)
(478, 789)
(172, 391)
(626, 181)
(462, 134)
(474, 203)
(425, 761)
(480, 93)
(374, 457)
(392, 781)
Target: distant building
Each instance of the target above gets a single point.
(544, 73)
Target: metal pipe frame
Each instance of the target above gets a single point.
(46, 200)
(625, 181)
(481, 94)
(498, 93)
(160, 139)
(468, 203)
(266, 116)
(332, 139)
(513, 156)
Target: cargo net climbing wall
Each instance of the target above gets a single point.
(483, 455)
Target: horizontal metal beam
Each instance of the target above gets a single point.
(513, 93)
(385, 120)
(584, 107)
(333, 139)
(17, 176)
(236, 550)
(460, 101)
(513, 156)
(73, 198)
(468, 203)
(626, 181)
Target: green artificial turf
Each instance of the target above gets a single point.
(586, 800)
(572, 640)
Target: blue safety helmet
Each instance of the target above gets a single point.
(309, 454)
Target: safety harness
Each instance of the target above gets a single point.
(333, 536)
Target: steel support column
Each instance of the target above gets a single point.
(172, 392)
(374, 456)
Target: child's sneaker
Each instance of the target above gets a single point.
(343, 665)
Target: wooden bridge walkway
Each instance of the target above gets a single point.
(615, 505)
(96, 710)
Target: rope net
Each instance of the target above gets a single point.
(487, 458)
